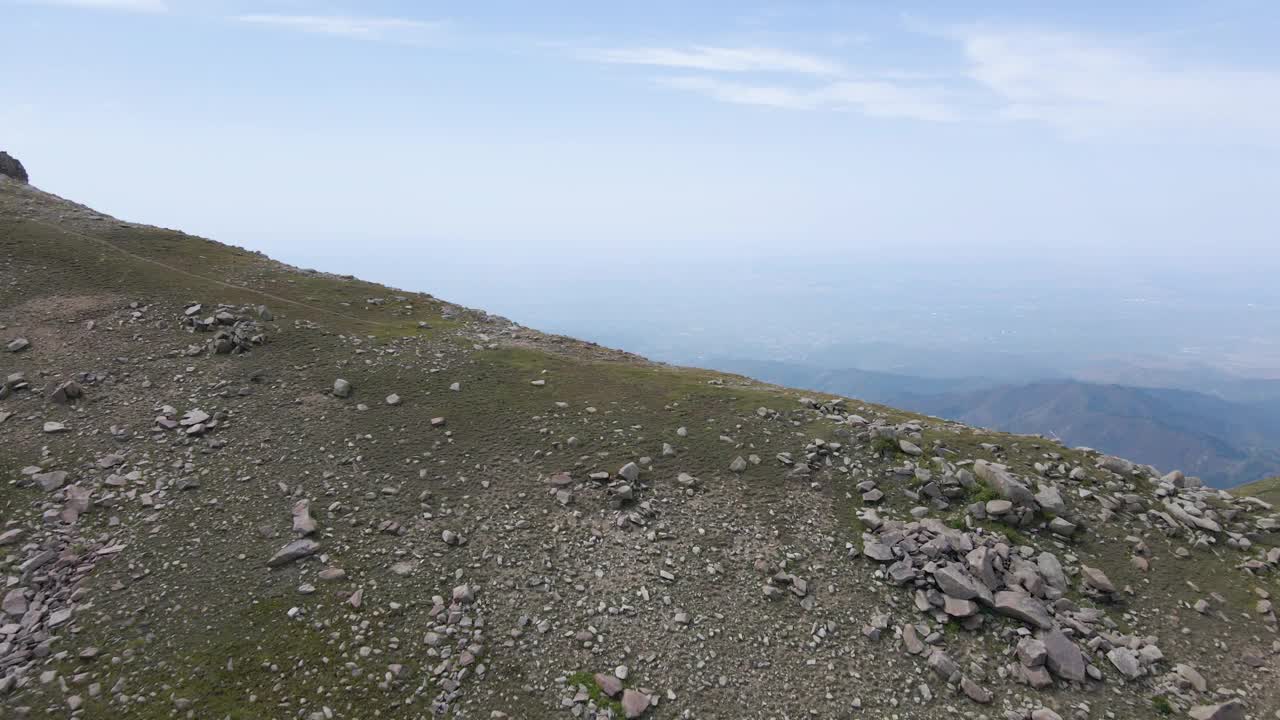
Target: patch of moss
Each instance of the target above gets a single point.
(602, 701)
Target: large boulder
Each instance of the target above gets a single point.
(10, 167)
(999, 479)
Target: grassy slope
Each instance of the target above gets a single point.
(1268, 490)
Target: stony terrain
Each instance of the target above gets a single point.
(236, 489)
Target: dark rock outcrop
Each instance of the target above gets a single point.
(10, 166)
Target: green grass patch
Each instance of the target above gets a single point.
(602, 701)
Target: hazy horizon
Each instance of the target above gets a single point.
(1015, 193)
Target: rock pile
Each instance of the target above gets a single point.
(234, 332)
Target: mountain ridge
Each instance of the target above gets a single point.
(1225, 441)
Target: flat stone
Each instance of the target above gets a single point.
(1229, 710)
(955, 607)
(999, 507)
(878, 551)
(50, 481)
(1126, 661)
(295, 550)
(1022, 606)
(976, 692)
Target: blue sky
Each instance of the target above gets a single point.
(557, 131)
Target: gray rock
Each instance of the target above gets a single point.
(303, 523)
(957, 608)
(1051, 570)
(955, 582)
(295, 550)
(738, 465)
(1062, 656)
(998, 478)
(982, 564)
(911, 640)
(1229, 710)
(902, 572)
(1032, 652)
(1021, 606)
(1050, 500)
(942, 665)
(999, 507)
(630, 472)
(341, 388)
(634, 703)
(14, 603)
(18, 345)
(878, 552)
(1119, 466)
(1096, 579)
(50, 481)
(976, 692)
(1126, 661)
(609, 685)
(1191, 676)
(1059, 526)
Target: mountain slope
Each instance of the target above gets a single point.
(483, 521)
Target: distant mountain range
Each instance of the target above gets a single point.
(1224, 441)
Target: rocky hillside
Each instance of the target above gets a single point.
(236, 489)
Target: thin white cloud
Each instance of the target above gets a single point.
(719, 59)
(147, 6)
(365, 28)
(887, 95)
(874, 98)
(1088, 88)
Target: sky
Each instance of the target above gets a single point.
(502, 153)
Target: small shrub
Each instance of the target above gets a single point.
(885, 447)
